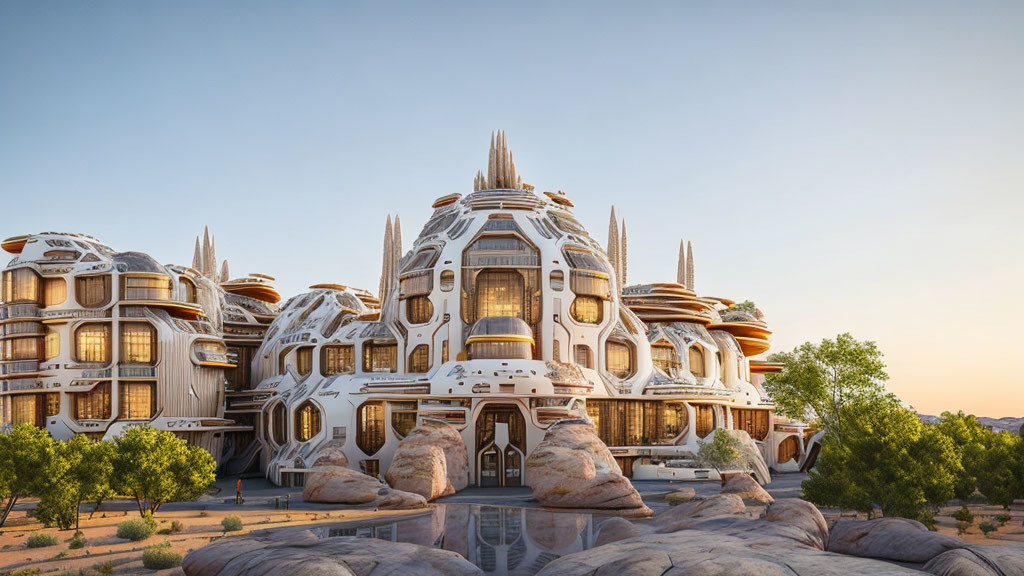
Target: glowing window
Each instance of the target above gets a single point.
(337, 359)
(370, 433)
(25, 410)
(55, 291)
(587, 310)
(94, 404)
(145, 288)
(500, 293)
(137, 400)
(52, 345)
(403, 417)
(21, 349)
(380, 357)
(307, 421)
(138, 343)
(92, 343)
(619, 358)
(304, 360)
(418, 309)
(92, 291)
(419, 359)
(697, 367)
(53, 403)
(21, 286)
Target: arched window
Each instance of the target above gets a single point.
(92, 291)
(663, 354)
(447, 280)
(92, 343)
(307, 421)
(619, 359)
(304, 360)
(138, 343)
(697, 367)
(21, 286)
(188, 288)
(789, 449)
(419, 359)
(587, 309)
(370, 432)
(418, 309)
(337, 359)
(705, 417)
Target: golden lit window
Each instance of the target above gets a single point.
(52, 403)
(137, 400)
(307, 421)
(590, 284)
(92, 343)
(587, 309)
(304, 360)
(52, 345)
(583, 356)
(138, 343)
(619, 358)
(370, 433)
(189, 290)
(418, 309)
(145, 288)
(637, 422)
(444, 351)
(94, 404)
(55, 291)
(447, 280)
(697, 362)
(500, 293)
(92, 291)
(21, 286)
(21, 349)
(26, 409)
(557, 280)
(380, 357)
(663, 355)
(403, 417)
(337, 359)
(705, 419)
(419, 359)
(556, 350)
(279, 425)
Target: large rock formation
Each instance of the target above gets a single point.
(896, 539)
(572, 468)
(803, 515)
(299, 551)
(978, 561)
(330, 481)
(431, 461)
(747, 488)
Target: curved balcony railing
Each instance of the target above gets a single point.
(19, 367)
(18, 328)
(19, 311)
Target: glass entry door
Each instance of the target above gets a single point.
(501, 445)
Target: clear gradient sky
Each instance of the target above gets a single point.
(851, 166)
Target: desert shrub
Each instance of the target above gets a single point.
(26, 572)
(231, 524)
(160, 557)
(961, 528)
(1003, 519)
(203, 513)
(77, 541)
(135, 529)
(177, 527)
(105, 569)
(721, 452)
(987, 527)
(41, 540)
(964, 515)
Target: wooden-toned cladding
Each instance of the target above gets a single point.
(94, 404)
(308, 421)
(620, 358)
(136, 400)
(754, 422)
(704, 419)
(21, 349)
(370, 427)
(138, 343)
(55, 291)
(92, 291)
(92, 343)
(789, 449)
(419, 360)
(637, 422)
(337, 359)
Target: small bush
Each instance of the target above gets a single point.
(160, 557)
(77, 541)
(203, 513)
(964, 515)
(177, 527)
(26, 572)
(961, 528)
(105, 569)
(231, 524)
(136, 529)
(41, 540)
(987, 527)
(1003, 519)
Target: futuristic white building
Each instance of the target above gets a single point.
(504, 317)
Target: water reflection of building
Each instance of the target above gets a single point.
(500, 540)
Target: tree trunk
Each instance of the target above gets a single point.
(11, 501)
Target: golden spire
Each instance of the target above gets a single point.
(622, 258)
(501, 168)
(613, 243)
(689, 266)
(681, 265)
(388, 260)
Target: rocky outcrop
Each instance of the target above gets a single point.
(747, 488)
(431, 461)
(299, 551)
(331, 483)
(615, 529)
(684, 515)
(684, 494)
(572, 468)
(978, 561)
(896, 539)
(802, 515)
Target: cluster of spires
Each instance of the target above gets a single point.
(501, 169)
(684, 270)
(204, 260)
(616, 249)
(392, 257)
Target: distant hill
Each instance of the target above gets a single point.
(1007, 423)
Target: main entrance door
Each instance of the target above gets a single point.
(500, 445)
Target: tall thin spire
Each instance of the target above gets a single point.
(681, 265)
(396, 250)
(387, 261)
(689, 266)
(213, 257)
(623, 258)
(613, 243)
(207, 269)
(501, 168)
(224, 274)
(197, 258)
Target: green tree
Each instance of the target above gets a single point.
(998, 476)
(28, 456)
(721, 452)
(968, 437)
(156, 467)
(888, 458)
(84, 477)
(819, 380)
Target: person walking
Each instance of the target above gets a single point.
(238, 492)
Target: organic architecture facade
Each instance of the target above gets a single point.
(504, 317)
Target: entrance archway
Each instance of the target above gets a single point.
(500, 445)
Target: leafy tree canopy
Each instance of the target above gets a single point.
(155, 467)
(28, 460)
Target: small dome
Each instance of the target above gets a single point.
(505, 327)
(137, 262)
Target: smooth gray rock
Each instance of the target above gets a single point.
(803, 515)
(615, 529)
(896, 539)
(978, 561)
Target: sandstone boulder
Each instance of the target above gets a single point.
(339, 485)
(747, 488)
(802, 515)
(572, 468)
(298, 551)
(684, 494)
(682, 516)
(615, 529)
(431, 461)
(896, 539)
(331, 456)
(978, 561)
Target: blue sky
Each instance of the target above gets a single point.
(849, 167)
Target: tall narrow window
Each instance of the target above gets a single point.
(307, 421)
(25, 410)
(55, 291)
(279, 424)
(583, 356)
(500, 293)
(21, 286)
(370, 433)
(447, 280)
(557, 280)
(587, 310)
(188, 288)
(52, 345)
(418, 309)
(337, 359)
(697, 362)
(380, 357)
(663, 355)
(619, 359)
(419, 359)
(137, 400)
(92, 291)
(138, 343)
(92, 343)
(444, 351)
(94, 404)
(52, 403)
(304, 360)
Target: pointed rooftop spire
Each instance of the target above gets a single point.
(689, 266)
(623, 259)
(197, 258)
(681, 265)
(206, 270)
(385, 273)
(613, 243)
(224, 274)
(501, 168)
(396, 250)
